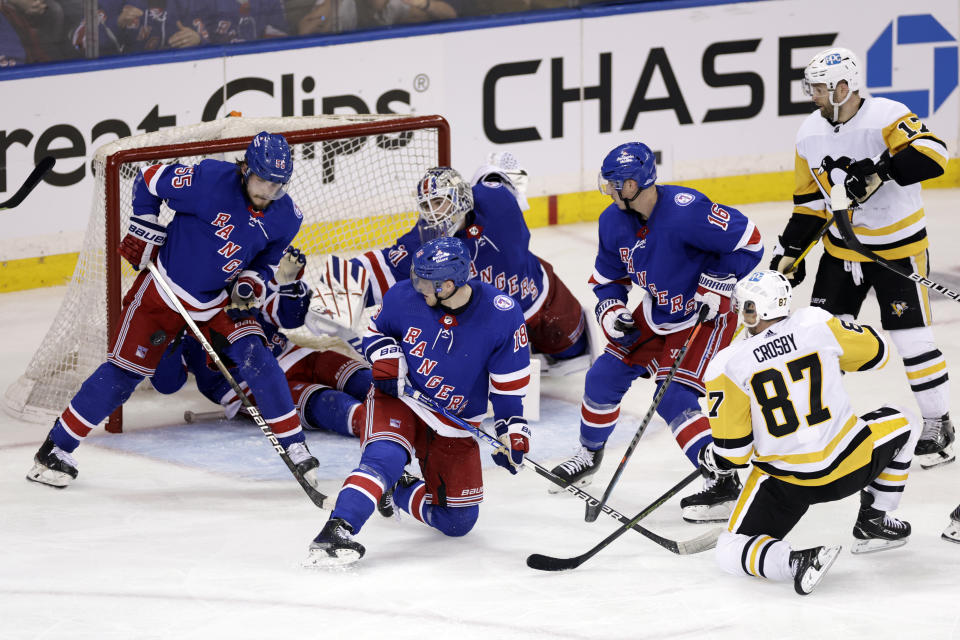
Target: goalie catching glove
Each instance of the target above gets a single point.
(246, 297)
(514, 433)
(389, 366)
(142, 243)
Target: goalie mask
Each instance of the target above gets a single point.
(763, 295)
(436, 262)
(443, 200)
(269, 166)
(829, 68)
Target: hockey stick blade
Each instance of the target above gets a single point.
(46, 163)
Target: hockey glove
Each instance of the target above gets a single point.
(785, 261)
(714, 291)
(514, 433)
(143, 241)
(389, 367)
(293, 304)
(291, 267)
(617, 322)
(865, 176)
(246, 297)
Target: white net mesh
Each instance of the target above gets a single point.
(357, 191)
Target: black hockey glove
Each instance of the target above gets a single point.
(865, 176)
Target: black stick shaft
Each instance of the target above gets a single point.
(45, 164)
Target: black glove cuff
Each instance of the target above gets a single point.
(800, 231)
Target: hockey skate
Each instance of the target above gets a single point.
(877, 531)
(935, 446)
(305, 463)
(952, 532)
(385, 505)
(715, 502)
(810, 565)
(334, 546)
(579, 469)
(52, 466)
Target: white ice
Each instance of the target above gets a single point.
(179, 531)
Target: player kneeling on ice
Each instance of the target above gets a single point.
(231, 225)
(327, 387)
(458, 344)
(777, 398)
(685, 253)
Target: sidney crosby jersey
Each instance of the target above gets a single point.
(457, 360)
(778, 397)
(498, 239)
(215, 233)
(686, 235)
(891, 223)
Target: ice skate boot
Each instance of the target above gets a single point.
(52, 466)
(875, 530)
(810, 565)
(334, 546)
(305, 463)
(715, 503)
(385, 505)
(578, 470)
(952, 532)
(935, 446)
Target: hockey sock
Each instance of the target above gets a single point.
(574, 350)
(608, 379)
(266, 380)
(107, 388)
(926, 369)
(761, 556)
(680, 409)
(341, 372)
(331, 410)
(358, 384)
(381, 465)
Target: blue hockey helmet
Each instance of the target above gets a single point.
(629, 161)
(437, 261)
(268, 157)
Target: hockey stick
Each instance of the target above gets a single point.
(593, 510)
(46, 163)
(680, 547)
(841, 206)
(315, 496)
(549, 563)
(193, 417)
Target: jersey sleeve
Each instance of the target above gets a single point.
(177, 184)
(389, 266)
(610, 278)
(731, 236)
(509, 367)
(807, 195)
(863, 348)
(728, 408)
(916, 154)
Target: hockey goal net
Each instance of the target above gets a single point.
(354, 179)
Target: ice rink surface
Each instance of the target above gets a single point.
(197, 531)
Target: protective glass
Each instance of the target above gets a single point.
(608, 187)
(260, 188)
(423, 286)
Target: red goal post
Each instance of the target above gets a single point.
(354, 179)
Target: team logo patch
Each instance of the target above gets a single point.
(158, 338)
(683, 198)
(503, 302)
(474, 231)
(297, 211)
(899, 307)
(492, 184)
(141, 352)
(448, 321)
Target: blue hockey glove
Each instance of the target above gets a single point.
(389, 366)
(617, 322)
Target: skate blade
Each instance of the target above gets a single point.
(932, 460)
(813, 578)
(704, 514)
(952, 533)
(44, 475)
(582, 482)
(321, 559)
(875, 544)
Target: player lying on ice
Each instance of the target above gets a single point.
(459, 343)
(231, 225)
(777, 399)
(683, 252)
(328, 388)
(488, 219)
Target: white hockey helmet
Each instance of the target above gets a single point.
(443, 200)
(763, 295)
(830, 67)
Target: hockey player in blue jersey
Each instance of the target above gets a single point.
(231, 225)
(459, 343)
(488, 219)
(683, 251)
(327, 387)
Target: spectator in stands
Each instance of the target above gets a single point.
(246, 20)
(321, 16)
(39, 26)
(11, 51)
(132, 26)
(381, 13)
